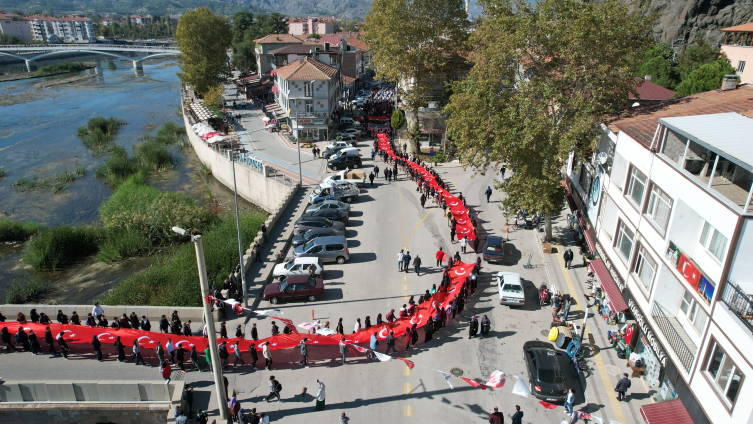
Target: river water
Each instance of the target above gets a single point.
(38, 138)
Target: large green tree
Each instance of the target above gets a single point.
(657, 62)
(416, 43)
(706, 77)
(544, 76)
(203, 39)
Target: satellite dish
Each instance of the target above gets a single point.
(602, 158)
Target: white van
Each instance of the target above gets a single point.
(348, 151)
(347, 121)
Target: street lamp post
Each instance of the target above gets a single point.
(238, 226)
(298, 143)
(209, 319)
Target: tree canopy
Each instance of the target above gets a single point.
(246, 29)
(203, 39)
(416, 43)
(539, 88)
(706, 77)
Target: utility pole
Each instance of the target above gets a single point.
(209, 320)
(238, 226)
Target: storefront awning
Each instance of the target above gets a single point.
(672, 411)
(614, 296)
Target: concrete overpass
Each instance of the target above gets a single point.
(47, 50)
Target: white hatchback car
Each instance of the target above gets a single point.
(297, 266)
(510, 289)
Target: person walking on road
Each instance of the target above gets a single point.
(391, 343)
(417, 265)
(566, 309)
(50, 340)
(343, 350)
(319, 397)
(166, 371)
(400, 256)
(373, 345)
(464, 243)
(194, 355)
(371, 178)
(473, 327)
(171, 350)
(238, 354)
(452, 234)
(137, 353)
(97, 346)
(567, 256)
(517, 417)
(488, 193)
(423, 201)
(267, 356)
(254, 355)
(120, 349)
(486, 325)
(569, 401)
(496, 417)
(224, 355)
(406, 261)
(622, 386)
(376, 171)
(254, 333)
(274, 389)
(304, 353)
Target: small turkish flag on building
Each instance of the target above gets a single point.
(689, 271)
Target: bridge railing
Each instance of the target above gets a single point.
(87, 46)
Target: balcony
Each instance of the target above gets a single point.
(678, 339)
(739, 303)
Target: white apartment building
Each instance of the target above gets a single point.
(307, 91)
(665, 201)
(15, 26)
(309, 26)
(69, 29)
(265, 45)
(737, 47)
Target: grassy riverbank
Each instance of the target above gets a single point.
(49, 70)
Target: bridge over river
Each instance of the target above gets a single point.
(111, 50)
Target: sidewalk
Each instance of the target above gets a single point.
(605, 368)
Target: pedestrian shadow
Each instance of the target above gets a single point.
(333, 274)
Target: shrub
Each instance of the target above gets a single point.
(122, 244)
(15, 293)
(20, 291)
(152, 213)
(59, 68)
(2, 173)
(173, 280)
(118, 168)
(16, 231)
(99, 132)
(58, 245)
(151, 156)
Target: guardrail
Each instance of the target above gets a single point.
(279, 176)
(739, 303)
(673, 337)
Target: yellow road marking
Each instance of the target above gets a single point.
(407, 371)
(408, 411)
(405, 287)
(405, 278)
(402, 211)
(405, 297)
(418, 225)
(407, 389)
(618, 415)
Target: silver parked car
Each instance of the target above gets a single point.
(328, 249)
(329, 205)
(308, 222)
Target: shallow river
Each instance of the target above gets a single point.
(38, 138)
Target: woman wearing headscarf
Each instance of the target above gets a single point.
(433, 290)
(319, 397)
(367, 322)
(403, 311)
(34, 315)
(120, 348)
(414, 334)
(486, 325)
(97, 346)
(473, 327)
(62, 318)
(379, 318)
(235, 406)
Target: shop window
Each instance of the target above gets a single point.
(713, 241)
(723, 372)
(659, 207)
(645, 268)
(624, 241)
(636, 187)
(693, 312)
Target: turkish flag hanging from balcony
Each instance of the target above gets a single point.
(689, 271)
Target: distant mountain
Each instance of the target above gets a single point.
(347, 8)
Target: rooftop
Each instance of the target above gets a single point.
(280, 38)
(641, 123)
(53, 18)
(740, 28)
(306, 48)
(306, 69)
(726, 133)
(647, 90)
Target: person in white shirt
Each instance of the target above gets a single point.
(319, 397)
(464, 243)
(400, 260)
(171, 350)
(97, 311)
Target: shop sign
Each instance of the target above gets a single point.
(251, 162)
(311, 121)
(649, 334)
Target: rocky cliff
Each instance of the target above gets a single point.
(693, 19)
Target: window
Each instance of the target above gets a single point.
(713, 241)
(625, 240)
(693, 312)
(636, 186)
(307, 89)
(309, 106)
(645, 268)
(740, 67)
(723, 372)
(659, 207)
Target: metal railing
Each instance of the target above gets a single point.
(681, 349)
(279, 176)
(739, 303)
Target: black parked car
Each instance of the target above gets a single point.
(494, 250)
(345, 161)
(332, 214)
(544, 372)
(313, 233)
(330, 151)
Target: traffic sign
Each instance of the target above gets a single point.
(431, 149)
(273, 122)
(431, 153)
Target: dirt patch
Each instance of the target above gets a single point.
(63, 81)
